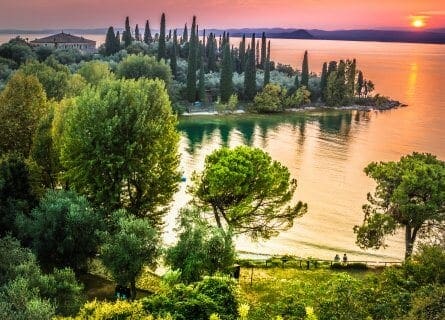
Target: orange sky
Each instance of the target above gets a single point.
(323, 14)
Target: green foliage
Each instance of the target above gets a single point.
(305, 71)
(95, 71)
(201, 249)
(226, 75)
(248, 191)
(270, 99)
(162, 53)
(22, 104)
(147, 33)
(68, 56)
(409, 194)
(298, 98)
(250, 72)
(43, 53)
(126, 35)
(133, 244)
(140, 66)
(124, 132)
(16, 51)
(428, 304)
(111, 44)
(53, 77)
(64, 230)
(192, 63)
(95, 310)
(16, 193)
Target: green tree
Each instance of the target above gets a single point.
(270, 99)
(110, 42)
(137, 34)
(133, 245)
(161, 44)
(18, 52)
(250, 73)
(185, 34)
(17, 195)
(324, 80)
(242, 54)
(118, 41)
(173, 54)
(142, 66)
(247, 192)
(267, 67)
(360, 84)
(147, 33)
(211, 55)
(299, 98)
(410, 194)
(127, 38)
(201, 83)
(192, 64)
(131, 143)
(305, 71)
(95, 71)
(64, 230)
(22, 105)
(263, 51)
(351, 70)
(226, 83)
(201, 249)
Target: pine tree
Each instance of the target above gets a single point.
(226, 84)
(192, 63)
(324, 80)
(305, 71)
(147, 33)
(126, 36)
(263, 51)
(173, 54)
(201, 83)
(267, 66)
(161, 45)
(110, 42)
(250, 73)
(242, 54)
(185, 34)
(137, 35)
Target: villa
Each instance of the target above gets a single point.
(66, 41)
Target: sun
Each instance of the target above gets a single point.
(418, 22)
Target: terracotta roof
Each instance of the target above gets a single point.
(64, 38)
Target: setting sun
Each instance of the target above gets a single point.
(418, 22)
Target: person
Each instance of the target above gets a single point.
(337, 258)
(345, 258)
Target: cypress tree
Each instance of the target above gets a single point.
(296, 81)
(204, 42)
(263, 51)
(137, 35)
(324, 80)
(126, 36)
(110, 42)
(250, 73)
(185, 34)
(161, 45)
(173, 54)
(118, 41)
(201, 83)
(352, 68)
(257, 59)
(305, 71)
(192, 62)
(169, 35)
(267, 66)
(147, 33)
(226, 84)
(211, 53)
(360, 83)
(242, 54)
(332, 67)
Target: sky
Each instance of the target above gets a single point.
(307, 14)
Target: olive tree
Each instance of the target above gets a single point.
(247, 191)
(119, 147)
(410, 194)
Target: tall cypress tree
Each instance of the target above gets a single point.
(352, 69)
(332, 67)
(267, 66)
(126, 36)
(360, 83)
(250, 73)
(305, 71)
(110, 42)
(226, 84)
(192, 63)
(118, 41)
(173, 54)
(161, 45)
(201, 83)
(147, 33)
(211, 54)
(257, 56)
(185, 34)
(263, 51)
(137, 35)
(324, 80)
(242, 54)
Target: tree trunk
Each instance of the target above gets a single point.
(133, 289)
(217, 218)
(409, 242)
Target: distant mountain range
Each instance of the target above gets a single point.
(429, 36)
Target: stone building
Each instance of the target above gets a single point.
(66, 41)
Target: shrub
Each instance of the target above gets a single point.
(139, 66)
(298, 98)
(270, 99)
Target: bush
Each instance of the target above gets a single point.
(16, 51)
(139, 66)
(270, 99)
(428, 304)
(349, 266)
(298, 98)
(113, 310)
(95, 71)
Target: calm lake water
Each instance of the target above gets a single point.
(327, 151)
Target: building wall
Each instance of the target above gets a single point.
(80, 46)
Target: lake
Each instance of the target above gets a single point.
(327, 151)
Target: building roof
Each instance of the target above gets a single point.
(64, 38)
